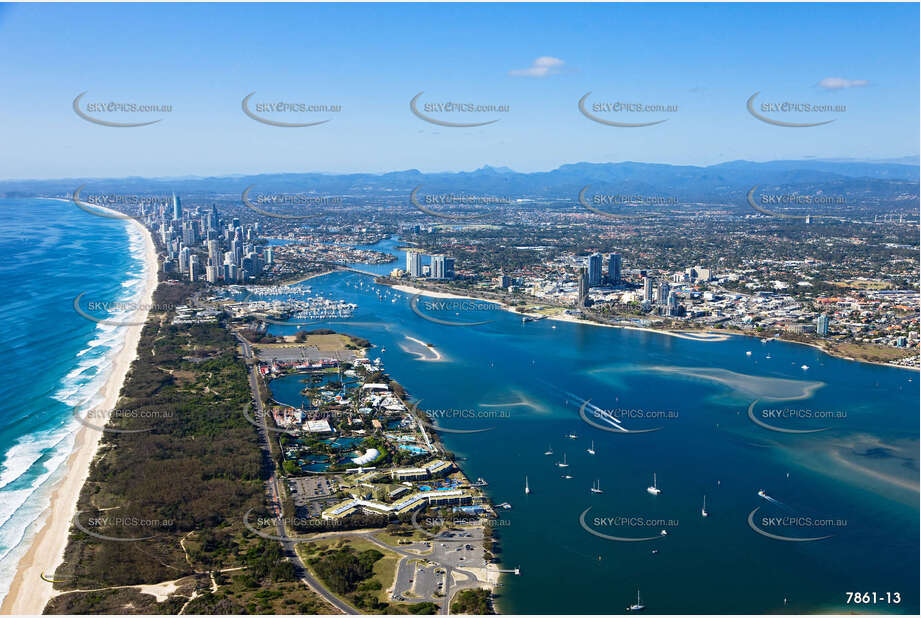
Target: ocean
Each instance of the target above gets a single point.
(56, 358)
(512, 390)
(700, 416)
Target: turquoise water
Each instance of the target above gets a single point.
(343, 443)
(526, 383)
(412, 449)
(55, 358)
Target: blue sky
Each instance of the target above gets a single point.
(372, 59)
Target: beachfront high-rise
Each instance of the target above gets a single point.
(177, 208)
(582, 299)
(647, 289)
(414, 263)
(614, 267)
(594, 269)
(821, 325)
(442, 267)
(662, 295)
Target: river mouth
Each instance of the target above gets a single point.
(514, 379)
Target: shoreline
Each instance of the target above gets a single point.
(305, 278)
(681, 334)
(29, 591)
(431, 349)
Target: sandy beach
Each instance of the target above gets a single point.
(297, 280)
(437, 355)
(563, 317)
(29, 591)
(432, 294)
(687, 333)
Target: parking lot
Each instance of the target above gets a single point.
(306, 489)
(424, 579)
(460, 550)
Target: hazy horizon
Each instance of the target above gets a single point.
(908, 160)
(700, 63)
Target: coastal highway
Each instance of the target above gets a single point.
(274, 491)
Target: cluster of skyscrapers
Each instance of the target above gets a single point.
(665, 301)
(591, 276)
(200, 246)
(440, 267)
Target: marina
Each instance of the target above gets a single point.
(589, 370)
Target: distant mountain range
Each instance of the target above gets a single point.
(884, 180)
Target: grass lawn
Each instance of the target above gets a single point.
(398, 539)
(324, 343)
(872, 352)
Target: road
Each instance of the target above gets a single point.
(470, 582)
(272, 490)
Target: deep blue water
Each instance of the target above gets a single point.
(862, 472)
(54, 358)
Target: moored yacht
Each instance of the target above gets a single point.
(638, 606)
(654, 488)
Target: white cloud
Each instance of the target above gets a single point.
(838, 83)
(541, 67)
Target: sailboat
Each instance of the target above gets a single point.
(591, 451)
(596, 487)
(703, 509)
(549, 450)
(654, 488)
(638, 606)
(527, 489)
(563, 464)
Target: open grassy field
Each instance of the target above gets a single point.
(324, 343)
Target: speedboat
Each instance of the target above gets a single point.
(761, 493)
